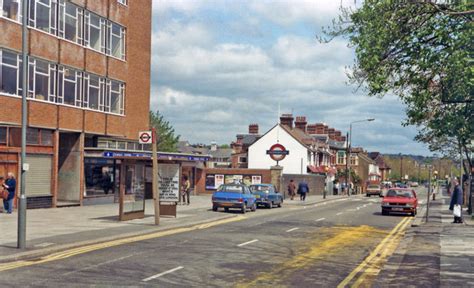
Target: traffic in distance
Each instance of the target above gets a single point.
(397, 200)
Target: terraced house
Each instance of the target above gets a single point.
(88, 89)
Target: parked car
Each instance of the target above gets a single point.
(266, 195)
(234, 196)
(414, 184)
(373, 189)
(400, 200)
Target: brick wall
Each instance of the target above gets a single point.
(315, 183)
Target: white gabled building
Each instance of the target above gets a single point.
(303, 152)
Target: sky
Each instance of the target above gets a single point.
(220, 65)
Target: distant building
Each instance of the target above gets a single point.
(241, 145)
(383, 168)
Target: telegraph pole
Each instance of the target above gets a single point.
(21, 243)
(156, 192)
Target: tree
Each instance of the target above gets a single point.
(167, 140)
(422, 51)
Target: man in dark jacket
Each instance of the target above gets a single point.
(10, 185)
(456, 202)
(303, 189)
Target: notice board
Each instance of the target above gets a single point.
(168, 182)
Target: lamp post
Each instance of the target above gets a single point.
(349, 152)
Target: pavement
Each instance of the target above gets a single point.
(315, 243)
(57, 229)
(436, 253)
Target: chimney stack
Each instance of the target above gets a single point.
(331, 133)
(301, 123)
(325, 131)
(287, 120)
(253, 129)
(311, 129)
(319, 128)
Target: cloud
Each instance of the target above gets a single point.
(210, 84)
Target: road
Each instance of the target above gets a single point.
(321, 245)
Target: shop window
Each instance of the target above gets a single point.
(42, 15)
(100, 177)
(10, 73)
(3, 135)
(47, 137)
(32, 136)
(116, 43)
(42, 79)
(70, 86)
(11, 9)
(95, 31)
(70, 21)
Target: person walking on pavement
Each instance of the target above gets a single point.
(303, 189)
(456, 202)
(292, 189)
(186, 190)
(10, 186)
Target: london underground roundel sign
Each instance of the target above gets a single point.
(278, 152)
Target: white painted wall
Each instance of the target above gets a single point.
(258, 158)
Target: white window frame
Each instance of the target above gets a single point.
(77, 85)
(101, 93)
(51, 90)
(19, 12)
(108, 97)
(121, 37)
(19, 83)
(123, 2)
(79, 19)
(102, 31)
(342, 158)
(52, 6)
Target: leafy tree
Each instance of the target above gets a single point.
(167, 140)
(224, 146)
(422, 51)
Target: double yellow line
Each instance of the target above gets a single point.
(372, 265)
(92, 247)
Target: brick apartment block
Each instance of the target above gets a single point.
(99, 53)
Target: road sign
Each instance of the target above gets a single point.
(145, 137)
(278, 152)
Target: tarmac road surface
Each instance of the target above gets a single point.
(322, 245)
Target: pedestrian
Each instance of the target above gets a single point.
(10, 186)
(292, 189)
(3, 192)
(456, 202)
(186, 190)
(303, 189)
(106, 181)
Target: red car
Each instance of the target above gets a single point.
(400, 200)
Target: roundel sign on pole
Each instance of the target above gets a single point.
(278, 152)
(145, 137)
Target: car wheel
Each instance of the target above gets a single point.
(254, 207)
(226, 209)
(270, 205)
(367, 195)
(413, 213)
(279, 203)
(214, 208)
(384, 212)
(244, 208)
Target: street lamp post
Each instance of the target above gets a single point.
(349, 152)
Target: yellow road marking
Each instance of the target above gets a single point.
(318, 249)
(376, 265)
(88, 248)
(374, 253)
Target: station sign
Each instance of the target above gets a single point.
(145, 137)
(278, 152)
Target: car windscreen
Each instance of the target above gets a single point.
(231, 189)
(259, 188)
(399, 193)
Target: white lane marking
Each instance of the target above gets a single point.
(339, 213)
(247, 243)
(162, 274)
(325, 203)
(315, 205)
(320, 219)
(292, 229)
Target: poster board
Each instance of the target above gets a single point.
(168, 182)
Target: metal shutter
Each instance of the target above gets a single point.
(38, 178)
